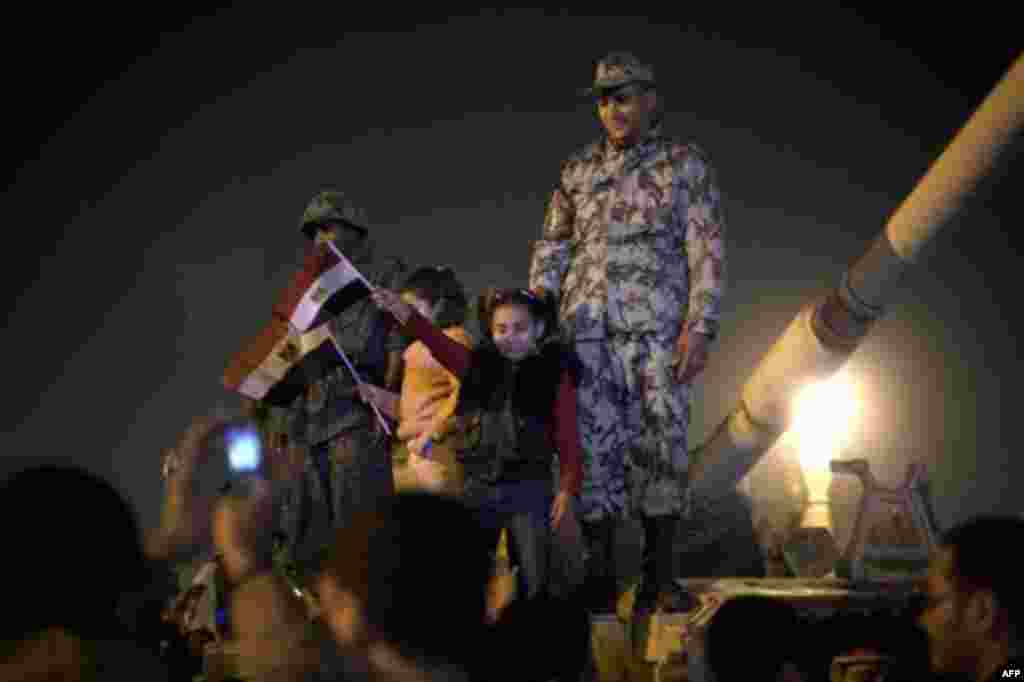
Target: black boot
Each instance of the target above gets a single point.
(654, 593)
(656, 569)
(600, 588)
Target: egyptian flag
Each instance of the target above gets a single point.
(284, 358)
(278, 365)
(324, 287)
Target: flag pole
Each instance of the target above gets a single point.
(359, 380)
(347, 262)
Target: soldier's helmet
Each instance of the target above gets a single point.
(618, 69)
(332, 206)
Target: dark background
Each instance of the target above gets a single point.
(160, 164)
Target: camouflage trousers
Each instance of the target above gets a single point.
(633, 420)
(346, 474)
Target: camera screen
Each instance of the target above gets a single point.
(244, 452)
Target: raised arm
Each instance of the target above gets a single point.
(453, 355)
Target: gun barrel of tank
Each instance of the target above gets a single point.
(822, 336)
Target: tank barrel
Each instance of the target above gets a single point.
(824, 334)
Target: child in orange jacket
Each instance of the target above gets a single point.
(425, 408)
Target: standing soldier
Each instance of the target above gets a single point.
(348, 466)
(633, 248)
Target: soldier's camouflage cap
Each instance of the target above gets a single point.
(616, 70)
(332, 206)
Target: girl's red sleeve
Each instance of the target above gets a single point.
(455, 357)
(567, 436)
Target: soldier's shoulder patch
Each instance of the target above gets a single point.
(576, 165)
(692, 158)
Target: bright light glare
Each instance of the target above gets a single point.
(823, 419)
(244, 453)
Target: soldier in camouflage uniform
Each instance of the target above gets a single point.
(348, 467)
(632, 245)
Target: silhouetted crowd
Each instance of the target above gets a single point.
(404, 593)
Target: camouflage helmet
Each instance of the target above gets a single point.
(617, 69)
(332, 206)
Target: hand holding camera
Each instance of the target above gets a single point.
(215, 455)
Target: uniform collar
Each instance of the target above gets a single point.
(638, 148)
(632, 156)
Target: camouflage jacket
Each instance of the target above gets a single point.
(633, 241)
(367, 336)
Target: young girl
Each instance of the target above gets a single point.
(523, 395)
(426, 406)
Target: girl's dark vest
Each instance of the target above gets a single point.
(513, 403)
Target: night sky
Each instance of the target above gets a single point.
(160, 166)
